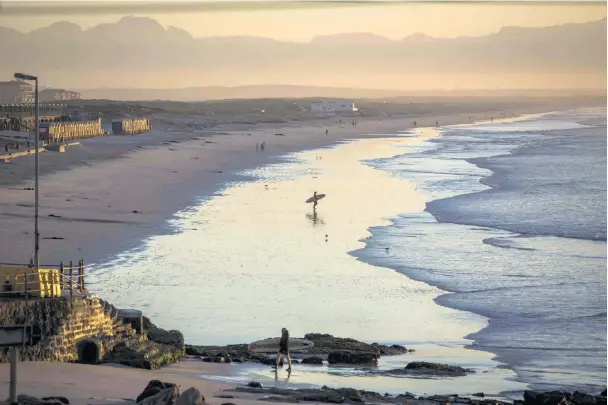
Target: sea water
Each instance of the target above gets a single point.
(515, 228)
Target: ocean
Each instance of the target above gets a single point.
(484, 246)
(515, 230)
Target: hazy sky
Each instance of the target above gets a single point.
(393, 21)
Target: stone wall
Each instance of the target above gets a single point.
(89, 330)
(65, 329)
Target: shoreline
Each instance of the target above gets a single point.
(120, 163)
(225, 181)
(445, 299)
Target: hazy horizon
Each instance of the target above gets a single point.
(391, 20)
(402, 47)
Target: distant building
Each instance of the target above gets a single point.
(16, 92)
(50, 95)
(325, 107)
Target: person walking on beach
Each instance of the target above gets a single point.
(262, 146)
(284, 349)
(326, 132)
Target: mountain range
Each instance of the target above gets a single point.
(137, 52)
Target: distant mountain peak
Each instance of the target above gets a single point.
(419, 37)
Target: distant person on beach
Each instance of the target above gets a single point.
(284, 349)
(262, 146)
(257, 146)
(326, 132)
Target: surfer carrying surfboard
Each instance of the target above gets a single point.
(316, 197)
(284, 349)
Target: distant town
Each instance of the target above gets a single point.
(20, 92)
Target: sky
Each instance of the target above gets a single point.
(395, 21)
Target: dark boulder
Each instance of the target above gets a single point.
(153, 388)
(546, 398)
(350, 394)
(350, 357)
(580, 398)
(603, 393)
(63, 400)
(191, 396)
(255, 384)
(312, 360)
(423, 367)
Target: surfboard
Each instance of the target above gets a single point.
(311, 199)
(271, 345)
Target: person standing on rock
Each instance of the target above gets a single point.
(284, 349)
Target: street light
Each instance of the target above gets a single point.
(22, 76)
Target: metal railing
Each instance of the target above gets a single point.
(24, 281)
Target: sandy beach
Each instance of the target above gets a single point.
(121, 189)
(111, 193)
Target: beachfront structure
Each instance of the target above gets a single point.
(59, 132)
(50, 95)
(131, 127)
(16, 92)
(328, 107)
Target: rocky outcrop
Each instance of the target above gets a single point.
(336, 350)
(140, 352)
(426, 368)
(353, 396)
(169, 337)
(562, 398)
(29, 400)
(165, 393)
(312, 360)
(351, 357)
(325, 344)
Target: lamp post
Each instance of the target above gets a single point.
(22, 76)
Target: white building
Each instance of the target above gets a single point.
(326, 107)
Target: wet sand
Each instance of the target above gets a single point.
(111, 192)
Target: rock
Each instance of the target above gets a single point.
(545, 398)
(322, 397)
(28, 400)
(582, 398)
(350, 394)
(349, 357)
(63, 400)
(141, 353)
(153, 388)
(164, 397)
(271, 362)
(423, 367)
(191, 396)
(255, 384)
(479, 394)
(224, 396)
(312, 360)
(603, 393)
(168, 337)
(277, 398)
